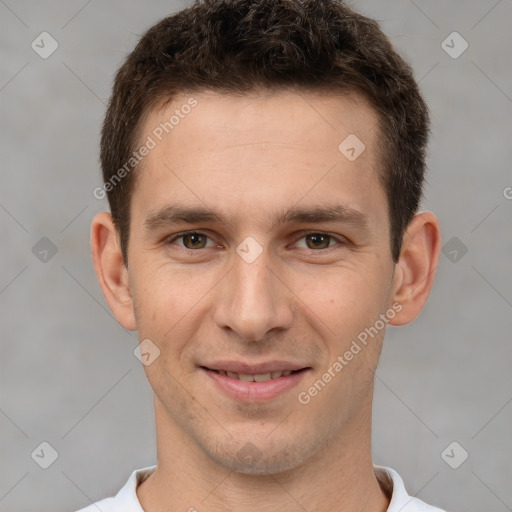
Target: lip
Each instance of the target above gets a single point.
(255, 392)
(254, 368)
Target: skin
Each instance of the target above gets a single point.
(250, 157)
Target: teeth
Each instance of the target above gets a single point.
(260, 377)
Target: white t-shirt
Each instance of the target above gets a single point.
(126, 499)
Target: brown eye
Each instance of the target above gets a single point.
(318, 241)
(191, 240)
(194, 240)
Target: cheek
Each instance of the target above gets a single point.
(169, 312)
(172, 304)
(345, 300)
(349, 305)
(167, 302)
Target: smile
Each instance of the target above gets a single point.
(254, 387)
(259, 377)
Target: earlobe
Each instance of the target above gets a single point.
(110, 269)
(416, 268)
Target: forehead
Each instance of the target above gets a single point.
(259, 149)
(288, 115)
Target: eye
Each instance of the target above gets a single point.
(315, 240)
(192, 240)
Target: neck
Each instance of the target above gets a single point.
(340, 477)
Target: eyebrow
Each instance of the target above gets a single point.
(175, 214)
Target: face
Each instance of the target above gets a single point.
(258, 246)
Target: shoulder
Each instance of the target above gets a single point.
(392, 483)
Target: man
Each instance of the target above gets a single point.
(264, 164)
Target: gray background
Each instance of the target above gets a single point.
(68, 373)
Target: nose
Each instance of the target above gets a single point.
(252, 300)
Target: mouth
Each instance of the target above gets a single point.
(255, 384)
(258, 377)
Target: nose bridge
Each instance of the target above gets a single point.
(252, 301)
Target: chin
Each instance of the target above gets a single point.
(244, 457)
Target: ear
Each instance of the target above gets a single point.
(110, 269)
(416, 267)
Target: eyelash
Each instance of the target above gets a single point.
(305, 234)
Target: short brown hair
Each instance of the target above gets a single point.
(237, 46)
